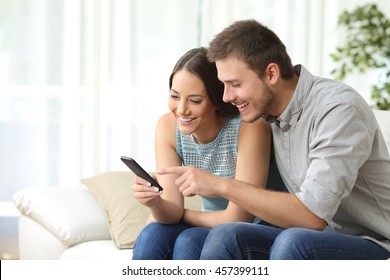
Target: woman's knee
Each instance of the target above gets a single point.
(218, 241)
(189, 243)
(156, 241)
(151, 230)
(191, 235)
(238, 241)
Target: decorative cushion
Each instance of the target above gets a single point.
(71, 214)
(125, 214)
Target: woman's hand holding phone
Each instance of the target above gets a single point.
(145, 193)
(146, 189)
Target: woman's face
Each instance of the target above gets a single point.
(189, 102)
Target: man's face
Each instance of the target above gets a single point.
(244, 89)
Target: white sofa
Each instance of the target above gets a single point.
(99, 220)
(92, 222)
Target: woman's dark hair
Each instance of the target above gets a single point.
(195, 61)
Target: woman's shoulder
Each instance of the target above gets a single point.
(232, 123)
(166, 121)
(258, 127)
(166, 129)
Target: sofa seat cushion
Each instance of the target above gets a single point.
(97, 250)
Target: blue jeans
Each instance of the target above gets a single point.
(164, 242)
(236, 241)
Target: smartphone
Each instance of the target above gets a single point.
(139, 171)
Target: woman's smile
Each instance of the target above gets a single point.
(185, 120)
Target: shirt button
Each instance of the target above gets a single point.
(286, 133)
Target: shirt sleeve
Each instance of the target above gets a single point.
(340, 142)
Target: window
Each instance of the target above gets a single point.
(83, 82)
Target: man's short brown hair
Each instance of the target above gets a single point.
(253, 43)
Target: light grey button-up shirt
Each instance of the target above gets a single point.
(331, 154)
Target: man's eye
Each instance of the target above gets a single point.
(236, 85)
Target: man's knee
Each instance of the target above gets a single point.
(294, 235)
(291, 244)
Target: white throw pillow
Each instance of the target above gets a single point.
(73, 215)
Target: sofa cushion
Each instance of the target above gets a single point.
(97, 250)
(72, 215)
(125, 214)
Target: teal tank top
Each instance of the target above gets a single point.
(218, 157)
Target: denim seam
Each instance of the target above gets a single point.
(262, 250)
(313, 251)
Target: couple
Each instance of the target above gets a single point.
(235, 108)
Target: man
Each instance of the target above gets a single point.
(328, 148)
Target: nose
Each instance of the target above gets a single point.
(182, 107)
(228, 96)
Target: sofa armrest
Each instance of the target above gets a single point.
(72, 215)
(36, 242)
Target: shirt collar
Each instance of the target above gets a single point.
(293, 111)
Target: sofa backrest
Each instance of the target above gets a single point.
(383, 118)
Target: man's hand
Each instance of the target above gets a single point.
(193, 181)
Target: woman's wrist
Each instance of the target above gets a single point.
(184, 216)
(223, 187)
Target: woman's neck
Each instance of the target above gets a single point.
(210, 130)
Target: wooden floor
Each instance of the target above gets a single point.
(9, 238)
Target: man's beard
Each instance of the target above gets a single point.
(252, 120)
(266, 106)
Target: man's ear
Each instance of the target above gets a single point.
(272, 73)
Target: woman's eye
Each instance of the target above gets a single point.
(196, 101)
(174, 96)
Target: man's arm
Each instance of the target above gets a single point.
(280, 209)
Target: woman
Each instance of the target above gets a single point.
(201, 131)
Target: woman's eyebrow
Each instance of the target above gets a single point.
(175, 91)
(190, 95)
